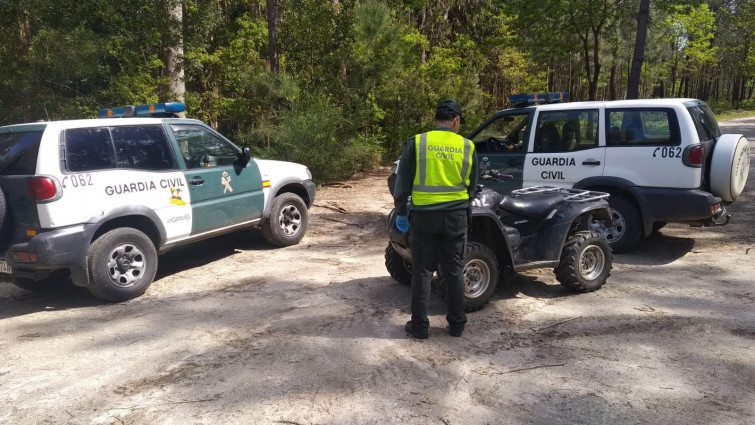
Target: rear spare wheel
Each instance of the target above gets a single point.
(729, 166)
(2, 210)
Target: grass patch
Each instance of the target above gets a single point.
(730, 115)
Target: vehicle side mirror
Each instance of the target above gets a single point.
(244, 156)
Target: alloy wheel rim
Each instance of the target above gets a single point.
(289, 220)
(611, 233)
(125, 265)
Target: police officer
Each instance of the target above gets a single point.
(438, 169)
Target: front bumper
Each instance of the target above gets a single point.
(311, 189)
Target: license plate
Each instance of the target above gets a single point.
(4, 267)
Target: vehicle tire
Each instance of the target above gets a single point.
(398, 267)
(586, 262)
(3, 211)
(626, 229)
(729, 166)
(480, 273)
(288, 220)
(122, 265)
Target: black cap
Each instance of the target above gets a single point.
(449, 107)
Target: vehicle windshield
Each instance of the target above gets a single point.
(18, 153)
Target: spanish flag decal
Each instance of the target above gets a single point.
(265, 184)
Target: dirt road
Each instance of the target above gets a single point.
(234, 331)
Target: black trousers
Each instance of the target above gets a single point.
(438, 237)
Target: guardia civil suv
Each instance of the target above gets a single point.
(99, 199)
(661, 160)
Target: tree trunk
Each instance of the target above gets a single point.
(423, 18)
(175, 51)
(612, 79)
(272, 34)
(596, 64)
(23, 28)
(633, 86)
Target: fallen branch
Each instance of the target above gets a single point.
(559, 323)
(336, 209)
(533, 367)
(339, 221)
(169, 402)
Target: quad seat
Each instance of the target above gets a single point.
(534, 205)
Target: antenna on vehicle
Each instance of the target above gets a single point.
(46, 114)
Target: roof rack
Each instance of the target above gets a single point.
(156, 110)
(521, 100)
(572, 195)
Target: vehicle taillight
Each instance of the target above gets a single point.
(42, 188)
(23, 257)
(695, 156)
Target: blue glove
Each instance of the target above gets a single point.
(402, 223)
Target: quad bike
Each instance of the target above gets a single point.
(531, 228)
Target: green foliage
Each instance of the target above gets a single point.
(359, 77)
(311, 132)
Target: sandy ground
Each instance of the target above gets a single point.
(233, 331)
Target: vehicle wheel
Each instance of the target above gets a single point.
(122, 265)
(586, 262)
(729, 167)
(626, 228)
(3, 212)
(480, 276)
(398, 267)
(288, 220)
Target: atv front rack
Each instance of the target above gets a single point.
(572, 195)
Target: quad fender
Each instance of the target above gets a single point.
(488, 229)
(616, 185)
(561, 225)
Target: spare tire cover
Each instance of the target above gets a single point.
(2, 209)
(729, 166)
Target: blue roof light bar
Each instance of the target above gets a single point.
(533, 99)
(155, 109)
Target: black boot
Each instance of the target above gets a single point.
(417, 333)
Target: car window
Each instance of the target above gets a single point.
(201, 148)
(649, 127)
(102, 148)
(566, 131)
(88, 149)
(705, 122)
(507, 133)
(18, 153)
(142, 147)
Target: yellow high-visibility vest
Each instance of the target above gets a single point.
(444, 162)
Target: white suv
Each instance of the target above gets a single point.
(100, 198)
(662, 160)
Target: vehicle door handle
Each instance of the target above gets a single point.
(196, 181)
(590, 162)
